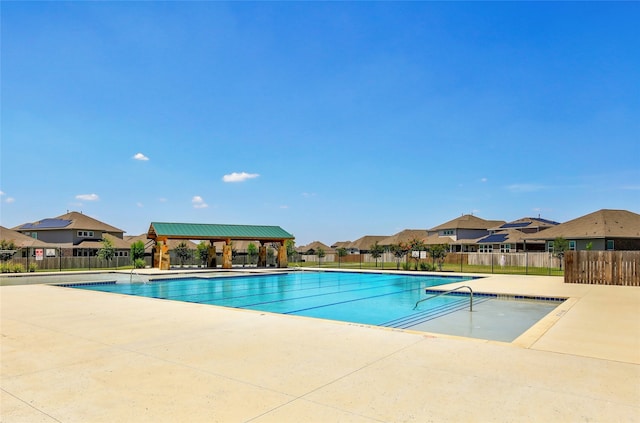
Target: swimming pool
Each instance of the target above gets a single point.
(368, 298)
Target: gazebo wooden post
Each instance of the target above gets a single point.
(211, 255)
(227, 257)
(161, 258)
(262, 255)
(282, 254)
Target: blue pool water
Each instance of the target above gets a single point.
(376, 299)
(367, 298)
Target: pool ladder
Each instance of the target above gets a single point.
(448, 292)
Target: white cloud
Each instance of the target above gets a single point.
(140, 156)
(239, 177)
(284, 207)
(10, 200)
(308, 194)
(139, 204)
(483, 180)
(88, 197)
(198, 202)
(1, 192)
(162, 200)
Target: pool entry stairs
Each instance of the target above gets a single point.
(455, 303)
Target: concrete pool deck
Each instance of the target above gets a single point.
(83, 356)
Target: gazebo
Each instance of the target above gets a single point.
(161, 232)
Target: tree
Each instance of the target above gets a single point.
(560, 245)
(137, 254)
(291, 248)
(183, 252)
(202, 251)
(137, 251)
(438, 253)
(320, 253)
(108, 251)
(417, 245)
(252, 251)
(341, 253)
(376, 251)
(399, 250)
(7, 249)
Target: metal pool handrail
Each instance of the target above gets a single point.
(447, 292)
(139, 277)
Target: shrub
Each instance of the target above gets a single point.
(406, 266)
(33, 267)
(139, 263)
(137, 251)
(18, 268)
(5, 267)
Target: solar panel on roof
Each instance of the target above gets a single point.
(493, 238)
(47, 224)
(515, 225)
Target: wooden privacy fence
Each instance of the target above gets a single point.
(602, 267)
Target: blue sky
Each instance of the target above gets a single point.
(332, 120)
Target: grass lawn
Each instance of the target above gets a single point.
(541, 271)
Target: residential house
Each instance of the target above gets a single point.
(309, 252)
(77, 234)
(342, 244)
(26, 244)
(312, 248)
(464, 232)
(601, 230)
(404, 236)
(514, 236)
(363, 245)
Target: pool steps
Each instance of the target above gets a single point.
(431, 313)
(448, 292)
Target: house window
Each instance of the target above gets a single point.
(610, 244)
(572, 245)
(550, 246)
(486, 248)
(85, 234)
(84, 252)
(34, 235)
(448, 232)
(122, 254)
(505, 248)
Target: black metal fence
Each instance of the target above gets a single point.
(534, 263)
(32, 263)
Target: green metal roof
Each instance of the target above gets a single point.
(216, 231)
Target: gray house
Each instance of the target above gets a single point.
(464, 232)
(77, 234)
(514, 236)
(601, 230)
